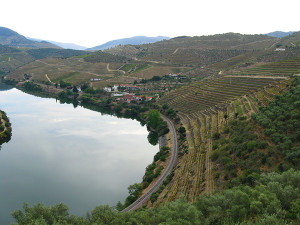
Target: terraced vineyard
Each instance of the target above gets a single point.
(282, 68)
(205, 107)
(215, 92)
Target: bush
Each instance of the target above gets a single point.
(216, 136)
(251, 145)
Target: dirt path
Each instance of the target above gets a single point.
(261, 77)
(176, 50)
(109, 70)
(46, 75)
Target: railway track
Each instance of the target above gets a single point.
(159, 182)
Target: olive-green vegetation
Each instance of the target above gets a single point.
(5, 128)
(268, 141)
(157, 125)
(32, 87)
(134, 190)
(5, 49)
(281, 122)
(274, 199)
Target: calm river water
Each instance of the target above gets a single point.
(59, 153)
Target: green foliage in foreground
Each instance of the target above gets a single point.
(275, 199)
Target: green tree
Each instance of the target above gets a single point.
(103, 214)
(75, 90)
(154, 118)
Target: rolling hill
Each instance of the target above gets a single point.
(138, 40)
(196, 51)
(292, 40)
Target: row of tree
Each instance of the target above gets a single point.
(274, 199)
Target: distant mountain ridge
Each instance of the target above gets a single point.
(61, 44)
(280, 34)
(68, 45)
(137, 40)
(11, 38)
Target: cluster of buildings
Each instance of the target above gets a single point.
(121, 93)
(122, 87)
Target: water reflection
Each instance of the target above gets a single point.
(61, 154)
(5, 87)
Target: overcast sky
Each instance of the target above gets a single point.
(94, 22)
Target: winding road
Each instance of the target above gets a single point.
(147, 195)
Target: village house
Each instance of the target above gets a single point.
(118, 94)
(132, 97)
(130, 87)
(95, 79)
(107, 89)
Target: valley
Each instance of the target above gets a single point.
(209, 88)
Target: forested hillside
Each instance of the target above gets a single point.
(268, 141)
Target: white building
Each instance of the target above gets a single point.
(107, 89)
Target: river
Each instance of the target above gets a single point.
(59, 153)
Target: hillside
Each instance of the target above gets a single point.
(138, 40)
(206, 109)
(11, 58)
(197, 51)
(234, 100)
(11, 38)
(292, 40)
(5, 49)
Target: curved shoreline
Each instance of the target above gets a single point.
(159, 182)
(145, 197)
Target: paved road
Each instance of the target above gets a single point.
(147, 195)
